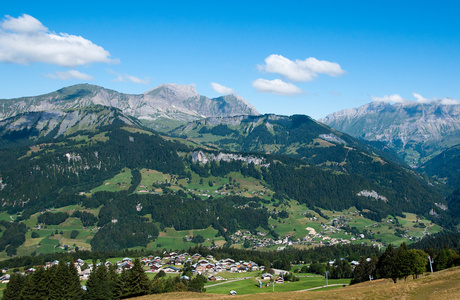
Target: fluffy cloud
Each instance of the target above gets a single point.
(71, 74)
(389, 99)
(300, 70)
(126, 77)
(449, 101)
(276, 86)
(24, 40)
(418, 99)
(222, 89)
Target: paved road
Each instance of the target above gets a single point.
(320, 287)
(227, 281)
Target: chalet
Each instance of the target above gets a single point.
(228, 261)
(242, 269)
(171, 269)
(233, 268)
(266, 276)
(211, 278)
(5, 278)
(155, 268)
(79, 262)
(196, 256)
(279, 280)
(84, 275)
(210, 257)
(219, 269)
(200, 269)
(127, 259)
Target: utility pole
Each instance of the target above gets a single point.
(431, 263)
(273, 286)
(327, 272)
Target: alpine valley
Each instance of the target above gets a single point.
(86, 168)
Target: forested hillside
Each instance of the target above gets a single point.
(121, 185)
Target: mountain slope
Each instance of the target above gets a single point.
(445, 166)
(317, 145)
(33, 127)
(167, 101)
(415, 131)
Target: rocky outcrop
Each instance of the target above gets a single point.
(172, 101)
(416, 131)
(201, 157)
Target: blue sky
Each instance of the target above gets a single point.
(284, 57)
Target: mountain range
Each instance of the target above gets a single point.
(165, 103)
(124, 177)
(416, 131)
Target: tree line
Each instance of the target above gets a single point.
(61, 281)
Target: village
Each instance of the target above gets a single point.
(174, 264)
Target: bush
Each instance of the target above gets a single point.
(74, 234)
(34, 235)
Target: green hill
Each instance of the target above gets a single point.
(120, 185)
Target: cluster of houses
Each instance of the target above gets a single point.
(173, 263)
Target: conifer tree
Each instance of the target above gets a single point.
(138, 281)
(37, 285)
(122, 288)
(387, 265)
(65, 282)
(98, 284)
(14, 287)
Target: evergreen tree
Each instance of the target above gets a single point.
(404, 266)
(37, 285)
(122, 288)
(387, 265)
(65, 282)
(445, 259)
(14, 287)
(139, 283)
(197, 284)
(98, 284)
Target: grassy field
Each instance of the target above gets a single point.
(440, 285)
(118, 183)
(251, 286)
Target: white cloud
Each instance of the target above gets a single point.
(276, 86)
(126, 77)
(222, 89)
(23, 24)
(418, 99)
(300, 70)
(137, 79)
(71, 74)
(449, 101)
(389, 99)
(24, 40)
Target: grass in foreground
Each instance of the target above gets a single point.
(440, 285)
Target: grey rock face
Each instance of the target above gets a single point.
(416, 131)
(170, 101)
(62, 122)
